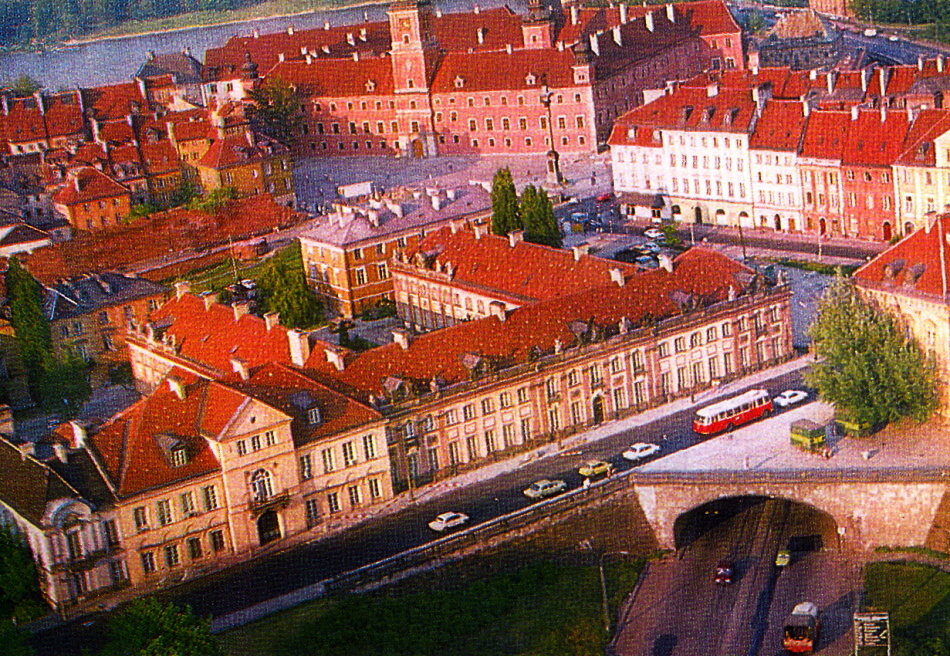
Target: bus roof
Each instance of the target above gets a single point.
(727, 404)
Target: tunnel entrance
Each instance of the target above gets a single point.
(798, 527)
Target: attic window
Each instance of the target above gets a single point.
(370, 85)
(632, 132)
(459, 82)
(923, 149)
(687, 112)
(313, 416)
(179, 456)
(530, 79)
(708, 114)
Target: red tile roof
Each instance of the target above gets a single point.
(88, 184)
(527, 271)
(825, 134)
(918, 148)
(237, 150)
(712, 17)
(913, 265)
(337, 77)
(499, 70)
(780, 127)
(535, 328)
(875, 138)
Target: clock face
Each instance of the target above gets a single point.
(405, 23)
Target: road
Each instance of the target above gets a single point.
(256, 581)
(680, 610)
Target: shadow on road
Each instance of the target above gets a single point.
(664, 645)
(836, 620)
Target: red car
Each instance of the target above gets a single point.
(603, 198)
(723, 574)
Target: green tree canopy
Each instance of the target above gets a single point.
(276, 109)
(285, 291)
(505, 215)
(540, 225)
(65, 384)
(20, 598)
(865, 363)
(148, 627)
(29, 323)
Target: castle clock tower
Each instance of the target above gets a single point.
(415, 55)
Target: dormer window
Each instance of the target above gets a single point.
(530, 80)
(459, 82)
(370, 86)
(632, 132)
(313, 416)
(179, 456)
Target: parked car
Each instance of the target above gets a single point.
(783, 558)
(593, 468)
(654, 233)
(789, 397)
(893, 38)
(544, 488)
(447, 521)
(604, 198)
(641, 451)
(723, 573)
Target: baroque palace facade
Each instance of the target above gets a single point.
(252, 437)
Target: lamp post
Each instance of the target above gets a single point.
(554, 168)
(603, 585)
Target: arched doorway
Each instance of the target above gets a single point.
(268, 527)
(597, 407)
(887, 230)
(778, 222)
(908, 228)
(822, 226)
(418, 150)
(698, 215)
(744, 220)
(720, 217)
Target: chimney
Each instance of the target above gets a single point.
(401, 337)
(335, 357)
(239, 367)
(26, 449)
(451, 194)
(854, 113)
(806, 108)
(177, 385)
(325, 49)
(515, 237)
(582, 249)
(271, 319)
(309, 59)
(363, 34)
(477, 229)
(356, 56)
(438, 13)
(497, 309)
(883, 77)
(670, 13)
(616, 275)
(350, 39)
(830, 82)
(616, 33)
(666, 262)
(712, 90)
(594, 45)
(59, 449)
(574, 15)
(865, 78)
(477, 10)
(920, 62)
(326, 25)
(883, 113)
(436, 202)
(281, 57)
(813, 74)
(940, 63)
(290, 30)
(480, 35)
(256, 34)
(623, 13)
(454, 227)
(240, 308)
(80, 434)
(508, 48)
(208, 298)
(299, 347)
(182, 287)
(649, 19)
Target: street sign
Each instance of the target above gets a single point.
(872, 634)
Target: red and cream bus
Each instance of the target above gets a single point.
(727, 414)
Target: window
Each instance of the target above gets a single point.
(696, 339)
(663, 350)
(382, 271)
(522, 395)
(256, 443)
(711, 335)
(328, 465)
(679, 344)
(241, 447)
(194, 548)
(726, 329)
(210, 495)
(306, 467)
(261, 488)
(595, 378)
(487, 406)
(333, 502)
(74, 545)
(164, 512)
(140, 516)
(117, 571)
(111, 531)
(313, 512)
(577, 413)
(187, 503)
(361, 276)
(468, 412)
(217, 540)
(172, 559)
(349, 454)
(313, 416)
(550, 386)
(375, 488)
(490, 445)
(148, 562)
(572, 378)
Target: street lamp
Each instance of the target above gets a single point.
(603, 584)
(554, 168)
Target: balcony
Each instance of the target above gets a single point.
(270, 503)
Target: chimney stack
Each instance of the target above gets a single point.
(59, 449)
(271, 319)
(649, 19)
(574, 15)
(182, 287)
(326, 25)
(401, 337)
(497, 309)
(480, 34)
(436, 202)
(623, 13)
(670, 13)
(580, 250)
(208, 298)
(335, 356)
(666, 262)
(239, 367)
(176, 385)
(515, 237)
(240, 308)
(594, 44)
(854, 113)
(299, 347)
(616, 33)
(616, 275)
(477, 229)
(80, 434)
(290, 30)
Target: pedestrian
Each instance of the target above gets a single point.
(587, 483)
(747, 462)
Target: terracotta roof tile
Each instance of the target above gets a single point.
(88, 184)
(825, 135)
(876, 138)
(780, 127)
(912, 265)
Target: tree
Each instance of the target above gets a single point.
(29, 323)
(276, 109)
(25, 86)
(865, 363)
(148, 627)
(65, 385)
(20, 599)
(285, 290)
(505, 216)
(214, 200)
(540, 224)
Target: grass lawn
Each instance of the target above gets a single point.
(218, 276)
(918, 600)
(539, 609)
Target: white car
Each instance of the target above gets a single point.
(789, 397)
(641, 451)
(893, 37)
(448, 520)
(654, 233)
(545, 488)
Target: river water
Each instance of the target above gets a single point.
(116, 60)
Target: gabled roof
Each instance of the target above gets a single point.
(88, 184)
(917, 264)
(185, 68)
(825, 134)
(918, 148)
(875, 138)
(701, 274)
(523, 272)
(71, 298)
(28, 485)
(238, 150)
(115, 101)
(780, 127)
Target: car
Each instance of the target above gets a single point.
(654, 233)
(893, 38)
(789, 397)
(544, 488)
(869, 32)
(723, 572)
(593, 468)
(573, 200)
(649, 247)
(783, 558)
(641, 451)
(604, 198)
(448, 520)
